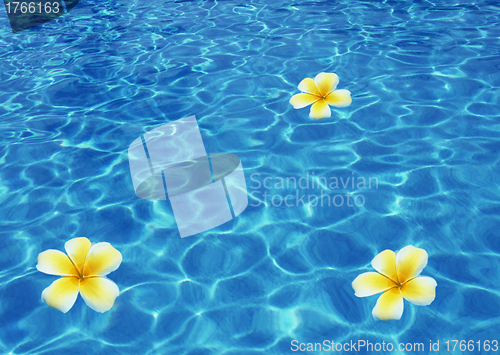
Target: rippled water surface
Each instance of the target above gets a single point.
(424, 124)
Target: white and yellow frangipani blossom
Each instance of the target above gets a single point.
(321, 92)
(397, 278)
(82, 271)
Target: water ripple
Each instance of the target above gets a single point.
(77, 91)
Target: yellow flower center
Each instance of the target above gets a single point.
(321, 96)
(78, 273)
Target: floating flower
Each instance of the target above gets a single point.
(82, 270)
(321, 92)
(397, 278)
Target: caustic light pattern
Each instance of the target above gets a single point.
(397, 278)
(83, 271)
(321, 92)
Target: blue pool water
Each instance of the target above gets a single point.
(424, 123)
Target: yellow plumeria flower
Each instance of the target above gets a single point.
(321, 92)
(82, 270)
(397, 278)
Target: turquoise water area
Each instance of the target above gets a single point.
(424, 78)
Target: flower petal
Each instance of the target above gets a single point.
(389, 305)
(410, 262)
(77, 249)
(303, 100)
(320, 110)
(99, 293)
(339, 98)
(385, 263)
(420, 291)
(62, 293)
(308, 85)
(102, 259)
(326, 82)
(371, 283)
(55, 262)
